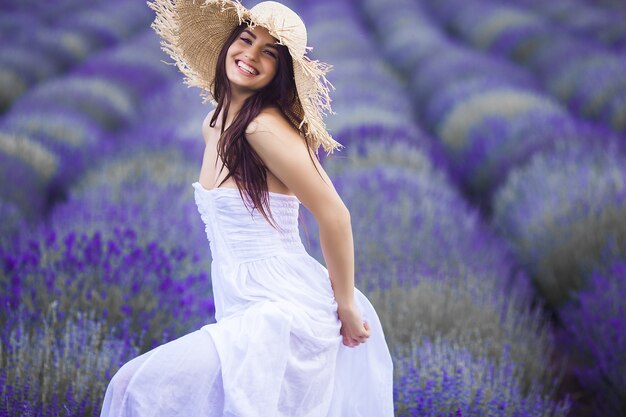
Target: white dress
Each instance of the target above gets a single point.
(275, 349)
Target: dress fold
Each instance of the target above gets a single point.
(275, 349)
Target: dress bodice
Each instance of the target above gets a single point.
(239, 233)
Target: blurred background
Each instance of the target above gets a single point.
(484, 167)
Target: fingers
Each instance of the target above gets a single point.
(367, 328)
(349, 342)
(355, 340)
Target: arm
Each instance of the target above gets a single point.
(285, 154)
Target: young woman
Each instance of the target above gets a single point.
(292, 337)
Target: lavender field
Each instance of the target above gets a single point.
(484, 168)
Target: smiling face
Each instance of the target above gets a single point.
(251, 61)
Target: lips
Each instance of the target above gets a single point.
(246, 68)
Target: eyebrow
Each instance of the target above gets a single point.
(271, 45)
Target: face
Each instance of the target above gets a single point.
(251, 60)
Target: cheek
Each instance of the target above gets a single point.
(232, 49)
(272, 68)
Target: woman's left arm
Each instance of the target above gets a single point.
(285, 154)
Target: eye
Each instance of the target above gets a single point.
(270, 53)
(246, 40)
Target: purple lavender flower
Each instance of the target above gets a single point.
(54, 369)
(440, 378)
(77, 271)
(595, 319)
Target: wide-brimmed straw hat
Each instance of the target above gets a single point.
(194, 31)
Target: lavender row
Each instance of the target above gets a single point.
(75, 361)
(143, 198)
(585, 20)
(356, 41)
(179, 135)
(363, 113)
(566, 198)
(30, 57)
(488, 114)
(417, 243)
(562, 212)
(569, 208)
(582, 74)
(111, 252)
(53, 133)
(596, 322)
(564, 215)
(455, 114)
(441, 378)
(433, 272)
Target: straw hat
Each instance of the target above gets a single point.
(194, 31)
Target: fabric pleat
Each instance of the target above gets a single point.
(275, 349)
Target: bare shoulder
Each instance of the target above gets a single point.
(271, 123)
(206, 126)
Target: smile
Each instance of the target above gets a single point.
(246, 69)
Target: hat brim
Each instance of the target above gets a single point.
(193, 33)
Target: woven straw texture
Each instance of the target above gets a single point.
(193, 32)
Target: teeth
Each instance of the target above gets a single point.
(246, 68)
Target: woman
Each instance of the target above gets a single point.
(290, 338)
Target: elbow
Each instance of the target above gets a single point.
(336, 217)
(345, 215)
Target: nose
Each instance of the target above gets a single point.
(250, 56)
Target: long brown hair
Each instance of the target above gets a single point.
(243, 163)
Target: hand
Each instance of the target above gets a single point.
(353, 330)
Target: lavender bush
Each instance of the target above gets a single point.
(73, 118)
(55, 369)
(28, 168)
(12, 221)
(111, 22)
(560, 209)
(135, 65)
(484, 111)
(471, 311)
(457, 64)
(594, 90)
(172, 115)
(107, 103)
(19, 70)
(373, 153)
(461, 107)
(409, 224)
(160, 293)
(487, 25)
(596, 321)
(149, 190)
(585, 20)
(34, 56)
(69, 134)
(441, 378)
(363, 113)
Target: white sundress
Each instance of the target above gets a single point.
(275, 349)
